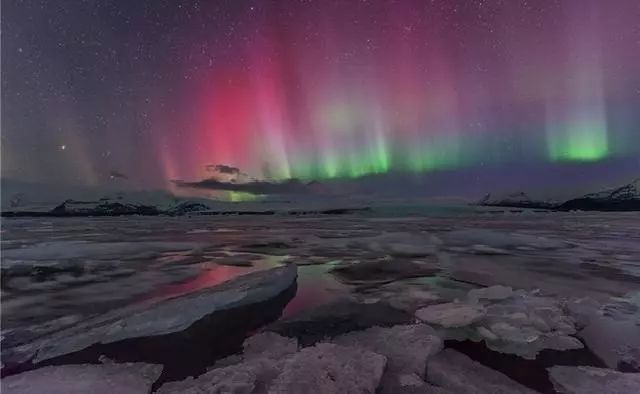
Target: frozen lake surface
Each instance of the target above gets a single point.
(563, 282)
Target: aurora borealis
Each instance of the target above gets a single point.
(314, 90)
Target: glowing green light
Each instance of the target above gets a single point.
(234, 196)
(582, 141)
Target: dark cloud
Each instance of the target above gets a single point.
(291, 186)
(223, 169)
(117, 175)
(225, 173)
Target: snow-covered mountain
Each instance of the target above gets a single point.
(623, 198)
(516, 200)
(164, 203)
(626, 192)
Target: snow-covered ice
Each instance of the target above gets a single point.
(330, 369)
(129, 378)
(451, 315)
(66, 250)
(456, 372)
(590, 380)
(516, 284)
(159, 318)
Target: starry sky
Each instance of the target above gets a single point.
(146, 92)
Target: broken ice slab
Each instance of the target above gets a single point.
(157, 318)
(126, 378)
(456, 372)
(591, 380)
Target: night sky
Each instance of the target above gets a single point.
(99, 91)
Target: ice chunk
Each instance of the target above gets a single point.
(407, 347)
(402, 295)
(163, 317)
(507, 332)
(65, 250)
(270, 345)
(251, 376)
(611, 331)
(591, 380)
(458, 373)
(451, 314)
(497, 292)
(487, 334)
(128, 378)
(499, 240)
(401, 244)
(266, 345)
(327, 368)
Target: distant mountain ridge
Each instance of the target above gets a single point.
(623, 198)
(626, 192)
(103, 207)
(122, 206)
(515, 200)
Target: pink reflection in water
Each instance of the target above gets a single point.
(209, 276)
(315, 287)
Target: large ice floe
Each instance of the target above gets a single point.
(480, 240)
(611, 330)
(64, 250)
(328, 368)
(406, 347)
(459, 374)
(400, 244)
(130, 378)
(156, 318)
(591, 380)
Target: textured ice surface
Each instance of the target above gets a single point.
(158, 318)
(451, 315)
(491, 293)
(518, 323)
(252, 376)
(500, 240)
(407, 295)
(62, 250)
(590, 380)
(456, 372)
(129, 378)
(611, 330)
(328, 368)
(401, 244)
(251, 372)
(549, 260)
(270, 345)
(406, 347)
